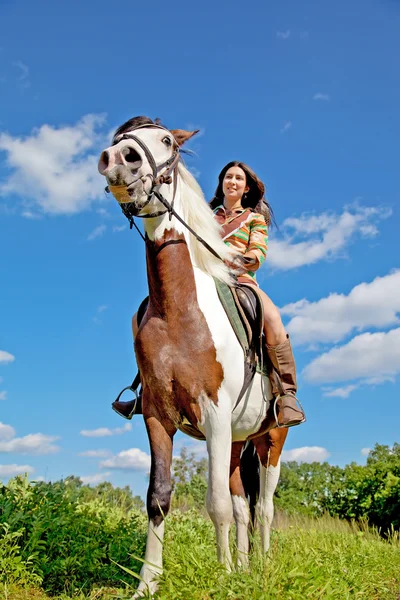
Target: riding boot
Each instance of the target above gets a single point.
(129, 408)
(288, 410)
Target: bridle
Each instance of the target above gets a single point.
(167, 177)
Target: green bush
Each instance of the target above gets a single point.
(69, 538)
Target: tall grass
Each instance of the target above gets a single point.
(321, 558)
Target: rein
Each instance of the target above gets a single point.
(158, 180)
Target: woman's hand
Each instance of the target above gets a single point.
(239, 264)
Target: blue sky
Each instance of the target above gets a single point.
(306, 93)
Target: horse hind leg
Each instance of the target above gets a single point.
(269, 448)
(158, 503)
(240, 506)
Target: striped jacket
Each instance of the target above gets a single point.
(246, 231)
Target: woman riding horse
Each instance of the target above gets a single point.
(191, 361)
(244, 215)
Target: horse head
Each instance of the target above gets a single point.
(143, 154)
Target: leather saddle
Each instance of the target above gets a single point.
(247, 307)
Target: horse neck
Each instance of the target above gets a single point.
(170, 273)
(192, 209)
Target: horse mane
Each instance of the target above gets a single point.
(196, 212)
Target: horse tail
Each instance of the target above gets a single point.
(250, 475)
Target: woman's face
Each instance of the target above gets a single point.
(234, 184)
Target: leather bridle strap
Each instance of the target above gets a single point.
(172, 211)
(158, 181)
(171, 162)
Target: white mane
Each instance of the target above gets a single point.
(191, 205)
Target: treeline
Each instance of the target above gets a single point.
(368, 492)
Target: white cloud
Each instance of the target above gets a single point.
(321, 96)
(95, 453)
(341, 392)
(28, 214)
(365, 354)
(23, 77)
(103, 212)
(102, 308)
(6, 432)
(283, 35)
(105, 431)
(13, 470)
(55, 168)
(118, 228)
(379, 379)
(34, 443)
(365, 451)
(3, 395)
(286, 126)
(129, 460)
(311, 238)
(306, 454)
(374, 304)
(96, 233)
(197, 447)
(6, 357)
(94, 479)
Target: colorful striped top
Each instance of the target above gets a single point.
(247, 232)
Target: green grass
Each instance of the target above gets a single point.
(309, 558)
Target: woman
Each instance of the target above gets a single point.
(244, 215)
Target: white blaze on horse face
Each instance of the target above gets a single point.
(125, 164)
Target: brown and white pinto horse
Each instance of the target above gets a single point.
(190, 361)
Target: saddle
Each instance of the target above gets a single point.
(245, 311)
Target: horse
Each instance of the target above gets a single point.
(190, 360)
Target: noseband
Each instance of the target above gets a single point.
(158, 180)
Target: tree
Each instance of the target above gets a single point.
(189, 480)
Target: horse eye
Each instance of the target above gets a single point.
(167, 141)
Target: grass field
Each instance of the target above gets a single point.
(309, 558)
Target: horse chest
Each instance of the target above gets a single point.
(177, 354)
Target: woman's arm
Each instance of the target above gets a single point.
(258, 244)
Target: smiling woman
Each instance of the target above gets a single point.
(244, 214)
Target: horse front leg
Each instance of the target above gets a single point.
(158, 502)
(269, 449)
(240, 506)
(219, 504)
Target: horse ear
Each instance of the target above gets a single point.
(181, 136)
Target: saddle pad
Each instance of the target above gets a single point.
(227, 300)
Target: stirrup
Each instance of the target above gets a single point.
(132, 389)
(278, 425)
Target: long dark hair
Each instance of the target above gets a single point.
(254, 199)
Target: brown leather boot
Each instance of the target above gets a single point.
(288, 410)
(129, 408)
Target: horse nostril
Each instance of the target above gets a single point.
(104, 161)
(131, 156)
